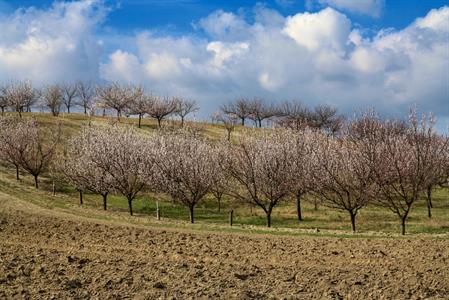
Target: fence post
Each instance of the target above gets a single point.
(158, 212)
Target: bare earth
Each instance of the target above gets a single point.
(49, 254)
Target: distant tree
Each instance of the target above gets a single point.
(325, 117)
(239, 108)
(117, 96)
(187, 166)
(52, 96)
(293, 115)
(86, 93)
(3, 99)
(260, 166)
(69, 93)
(161, 108)
(140, 105)
(229, 122)
(260, 110)
(20, 95)
(185, 107)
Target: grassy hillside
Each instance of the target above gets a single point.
(371, 220)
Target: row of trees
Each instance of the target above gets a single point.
(390, 163)
(130, 100)
(124, 99)
(289, 114)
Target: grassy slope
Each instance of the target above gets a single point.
(371, 219)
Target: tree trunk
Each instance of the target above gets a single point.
(68, 109)
(315, 204)
(81, 196)
(429, 202)
(140, 120)
(243, 121)
(17, 172)
(36, 182)
(130, 205)
(159, 122)
(269, 218)
(118, 115)
(182, 121)
(229, 135)
(3, 111)
(105, 199)
(260, 123)
(191, 214)
(85, 109)
(403, 224)
(219, 204)
(352, 214)
(298, 206)
(20, 113)
(231, 217)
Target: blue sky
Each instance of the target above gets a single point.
(177, 16)
(386, 54)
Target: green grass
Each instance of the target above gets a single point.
(73, 122)
(370, 220)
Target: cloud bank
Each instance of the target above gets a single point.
(315, 57)
(51, 45)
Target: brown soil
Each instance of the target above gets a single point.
(49, 254)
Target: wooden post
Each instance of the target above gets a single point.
(231, 217)
(158, 212)
(54, 188)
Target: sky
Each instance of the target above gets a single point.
(382, 54)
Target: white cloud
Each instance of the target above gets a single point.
(436, 19)
(367, 60)
(316, 57)
(225, 51)
(51, 45)
(325, 30)
(223, 25)
(162, 66)
(123, 66)
(365, 7)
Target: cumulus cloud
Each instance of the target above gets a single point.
(51, 45)
(365, 7)
(325, 30)
(315, 57)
